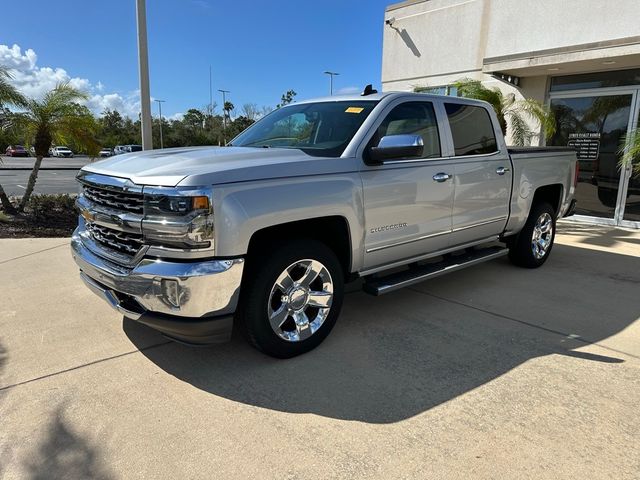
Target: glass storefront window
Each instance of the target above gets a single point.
(583, 81)
(444, 90)
(594, 125)
(632, 202)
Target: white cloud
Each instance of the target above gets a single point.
(34, 81)
(175, 116)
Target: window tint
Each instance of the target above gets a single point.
(413, 118)
(471, 129)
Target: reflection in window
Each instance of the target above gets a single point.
(413, 118)
(471, 129)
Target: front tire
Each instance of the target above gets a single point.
(532, 246)
(292, 297)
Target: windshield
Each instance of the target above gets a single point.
(319, 129)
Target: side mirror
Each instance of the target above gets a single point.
(397, 146)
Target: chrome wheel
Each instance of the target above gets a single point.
(542, 236)
(300, 300)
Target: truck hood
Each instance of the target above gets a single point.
(197, 166)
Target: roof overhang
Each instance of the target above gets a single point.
(615, 54)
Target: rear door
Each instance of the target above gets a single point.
(482, 173)
(407, 213)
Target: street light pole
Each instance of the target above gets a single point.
(224, 113)
(331, 75)
(160, 102)
(143, 68)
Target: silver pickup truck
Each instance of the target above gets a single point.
(391, 188)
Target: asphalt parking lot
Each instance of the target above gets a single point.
(57, 175)
(491, 372)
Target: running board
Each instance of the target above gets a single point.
(419, 273)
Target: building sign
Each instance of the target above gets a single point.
(587, 145)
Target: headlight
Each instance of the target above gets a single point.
(178, 217)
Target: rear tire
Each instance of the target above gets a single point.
(532, 246)
(291, 298)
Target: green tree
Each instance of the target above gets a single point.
(56, 118)
(194, 119)
(286, 98)
(512, 113)
(9, 95)
(228, 107)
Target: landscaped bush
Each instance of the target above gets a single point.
(44, 216)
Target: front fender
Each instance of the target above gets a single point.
(242, 209)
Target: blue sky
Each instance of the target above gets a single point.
(257, 49)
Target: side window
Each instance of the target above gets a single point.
(413, 118)
(471, 129)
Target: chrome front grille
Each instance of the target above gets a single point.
(124, 242)
(119, 200)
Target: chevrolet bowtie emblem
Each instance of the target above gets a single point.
(88, 215)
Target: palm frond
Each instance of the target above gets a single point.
(540, 113)
(9, 94)
(519, 129)
(475, 89)
(629, 151)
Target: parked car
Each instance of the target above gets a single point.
(392, 188)
(62, 151)
(105, 152)
(16, 151)
(119, 149)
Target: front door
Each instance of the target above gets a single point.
(407, 210)
(594, 124)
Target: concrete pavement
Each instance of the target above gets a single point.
(491, 372)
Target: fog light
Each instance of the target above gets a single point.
(171, 292)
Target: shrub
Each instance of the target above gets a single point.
(44, 207)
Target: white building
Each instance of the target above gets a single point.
(580, 57)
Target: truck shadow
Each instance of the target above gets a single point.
(392, 357)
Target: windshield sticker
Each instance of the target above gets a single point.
(354, 110)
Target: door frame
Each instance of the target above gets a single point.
(625, 175)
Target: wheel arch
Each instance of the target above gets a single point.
(331, 230)
(551, 194)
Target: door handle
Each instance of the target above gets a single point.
(502, 170)
(441, 177)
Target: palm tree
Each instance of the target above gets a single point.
(512, 113)
(9, 95)
(228, 106)
(56, 118)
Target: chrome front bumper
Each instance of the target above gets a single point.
(192, 301)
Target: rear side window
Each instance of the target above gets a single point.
(471, 129)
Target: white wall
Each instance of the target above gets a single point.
(436, 42)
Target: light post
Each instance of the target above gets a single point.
(143, 68)
(160, 102)
(331, 75)
(224, 114)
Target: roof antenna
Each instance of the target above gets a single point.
(368, 90)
